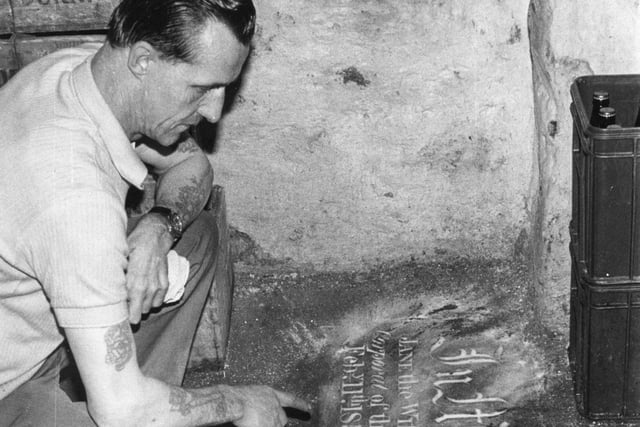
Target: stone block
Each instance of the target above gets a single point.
(38, 16)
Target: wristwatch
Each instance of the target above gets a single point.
(174, 221)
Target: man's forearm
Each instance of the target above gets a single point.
(119, 395)
(186, 186)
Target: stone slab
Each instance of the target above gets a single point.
(402, 345)
(405, 374)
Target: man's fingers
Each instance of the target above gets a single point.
(148, 300)
(163, 285)
(135, 309)
(158, 299)
(291, 401)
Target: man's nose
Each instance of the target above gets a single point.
(211, 105)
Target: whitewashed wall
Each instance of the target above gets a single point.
(368, 131)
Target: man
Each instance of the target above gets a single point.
(70, 272)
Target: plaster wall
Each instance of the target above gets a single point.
(368, 131)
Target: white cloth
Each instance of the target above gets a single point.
(177, 272)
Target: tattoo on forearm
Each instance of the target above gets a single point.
(119, 342)
(185, 402)
(188, 146)
(191, 198)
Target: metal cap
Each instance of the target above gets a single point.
(600, 95)
(607, 112)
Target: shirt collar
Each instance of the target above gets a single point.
(124, 158)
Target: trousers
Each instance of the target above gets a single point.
(163, 343)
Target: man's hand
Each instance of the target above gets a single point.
(263, 406)
(147, 282)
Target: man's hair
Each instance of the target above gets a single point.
(172, 26)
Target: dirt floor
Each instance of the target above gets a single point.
(405, 345)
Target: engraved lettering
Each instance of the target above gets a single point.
(406, 379)
(351, 418)
(377, 400)
(377, 352)
(462, 377)
(409, 415)
(352, 387)
(379, 420)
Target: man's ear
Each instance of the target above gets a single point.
(141, 57)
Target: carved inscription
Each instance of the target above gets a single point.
(371, 396)
(409, 408)
(459, 409)
(352, 398)
(383, 384)
(378, 401)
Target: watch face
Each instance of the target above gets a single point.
(175, 223)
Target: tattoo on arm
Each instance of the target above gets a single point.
(185, 401)
(191, 198)
(188, 146)
(119, 342)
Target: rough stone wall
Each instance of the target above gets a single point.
(378, 130)
(568, 38)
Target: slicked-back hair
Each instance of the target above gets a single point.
(172, 26)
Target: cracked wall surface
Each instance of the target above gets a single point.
(374, 131)
(371, 131)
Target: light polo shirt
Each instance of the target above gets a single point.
(65, 168)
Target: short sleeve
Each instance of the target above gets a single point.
(78, 252)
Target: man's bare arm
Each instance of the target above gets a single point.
(184, 176)
(119, 394)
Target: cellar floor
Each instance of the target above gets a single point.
(416, 344)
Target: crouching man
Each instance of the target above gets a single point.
(78, 129)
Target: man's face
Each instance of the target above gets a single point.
(177, 96)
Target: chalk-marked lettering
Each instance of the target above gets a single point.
(352, 387)
(463, 355)
(377, 401)
(378, 420)
(358, 351)
(464, 380)
(437, 344)
(479, 415)
(478, 399)
(454, 374)
(438, 395)
(409, 415)
(470, 362)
